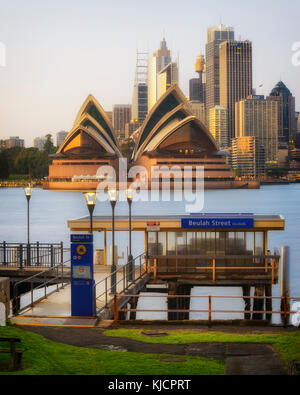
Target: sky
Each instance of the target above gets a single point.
(59, 51)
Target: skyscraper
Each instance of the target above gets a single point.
(218, 125)
(167, 77)
(160, 59)
(258, 117)
(140, 90)
(215, 36)
(235, 77)
(287, 112)
(121, 116)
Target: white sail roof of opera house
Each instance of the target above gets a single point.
(172, 122)
(92, 131)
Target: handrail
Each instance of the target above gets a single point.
(46, 282)
(125, 279)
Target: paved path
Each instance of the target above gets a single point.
(241, 359)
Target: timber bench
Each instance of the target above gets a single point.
(15, 354)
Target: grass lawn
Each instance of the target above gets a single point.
(45, 357)
(286, 344)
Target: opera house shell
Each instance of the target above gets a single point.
(91, 143)
(170, 137)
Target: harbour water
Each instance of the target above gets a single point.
(50, 210)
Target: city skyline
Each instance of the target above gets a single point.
(56, 55)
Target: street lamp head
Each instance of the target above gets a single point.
(130, 194)
(28, 192)
(113, 195)
(90, 198)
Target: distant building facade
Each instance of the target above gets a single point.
(258, 117)
(60, 137)
(218, 125)
(167, 77)
(14, 141)
(199, 110)
(160, 59)
(121, 116)
(247, 157)
(39, 143)
(215, 36)
(287, 112)
(235, 77)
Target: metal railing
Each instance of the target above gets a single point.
(284, 307)
(54, 276)
(185, 264)
(39, 255)
(103, 289)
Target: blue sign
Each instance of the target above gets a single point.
(82, 276)
(81, 238)
(217, 223)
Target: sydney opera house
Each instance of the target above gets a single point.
(170, 137)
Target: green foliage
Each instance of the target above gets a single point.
(4, 168)
(26, 161)
(49, 147)
(45, 357)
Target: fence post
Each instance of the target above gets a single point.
(285, 308)
(116, 309)
(209, 311)
(21, 256)
(28, 255)
(52, 255)
(61, 252)
(4, 252)
(214, 272)
(155, 270)
(38, 253)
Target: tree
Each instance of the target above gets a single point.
(4, 168)
(49, 147)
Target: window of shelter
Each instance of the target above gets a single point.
(206, 243)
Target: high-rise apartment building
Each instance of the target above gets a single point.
(235, 77)
(258, 117)
(160, 59)
(14, 141)
(215, 36)
(247, 157)
(140, 90)
(60, 137)
(218, 125)
(121, 116)
(287, 112)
